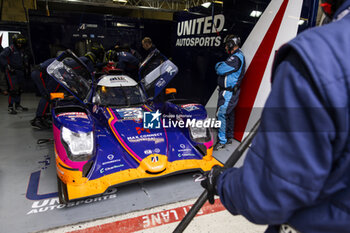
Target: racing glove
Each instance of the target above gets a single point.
(10, 69)
(209, 182)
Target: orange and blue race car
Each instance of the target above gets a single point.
(115, 131)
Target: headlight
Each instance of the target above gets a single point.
(200, 134)
(80, 145)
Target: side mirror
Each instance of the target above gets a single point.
(56, 95)
(169, 91)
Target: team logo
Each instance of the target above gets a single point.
(139, 130)
(154, 159)
(151, 120)
(182, 146)
(110, 156)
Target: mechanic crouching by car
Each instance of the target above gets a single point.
(127, 62)
(230, 74)
(45, 85)
(13, 59)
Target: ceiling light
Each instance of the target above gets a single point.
(206, 4)
(255, 13)
(121, 1)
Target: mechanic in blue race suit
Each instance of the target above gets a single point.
(47, 85)
(13, 59)
(125, 61)
(230, 74)
(296, 175)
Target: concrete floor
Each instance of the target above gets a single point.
(28, 188)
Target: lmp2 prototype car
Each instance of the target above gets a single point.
(100, 136)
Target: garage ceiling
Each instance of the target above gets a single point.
(167, 5)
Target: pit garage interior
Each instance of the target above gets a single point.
(28, 179)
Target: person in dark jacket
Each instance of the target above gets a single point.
(296, 175)
(230, 74)
(45, 85)
(13, 60)
(147, 46)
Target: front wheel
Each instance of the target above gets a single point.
(62, 191)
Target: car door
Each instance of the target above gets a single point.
(73, 75)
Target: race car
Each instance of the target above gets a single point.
(112, 132)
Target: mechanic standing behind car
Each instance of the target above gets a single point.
(230, 74)
(296, 175)
(147, 47)
(45, 85)
(13, 59)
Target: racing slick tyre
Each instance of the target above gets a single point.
(62, 191)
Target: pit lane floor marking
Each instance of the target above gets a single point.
(142, 220)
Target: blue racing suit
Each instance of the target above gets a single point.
(128, 63)
(45, 85)
(297, 170)
(230, 74)
(15, 58)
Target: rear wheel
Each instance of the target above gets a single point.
(62, 191)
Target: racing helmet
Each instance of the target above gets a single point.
(91, 56)
(330, 6)
(19, 39)
(231, 41)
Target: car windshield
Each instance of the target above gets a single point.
(119, 96)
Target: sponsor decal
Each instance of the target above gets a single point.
(151, 120)
(182, 146)
(148, 152)
(117, 79)
(170, 69)
(157, 150)
(114, 167)
(185, 155)
(154, 159)
(130, 113)
(110, 156)
(146, 137)
(73, 115)
(161, 82)
(190, 107)
(140, 129)
(112, 161)
(200, 32)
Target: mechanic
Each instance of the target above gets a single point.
(126, 48)
(127, 62)
(45, 85)
(296, 175)
(3, 81)
(230, 74)
(94, 59)
(13, 60)
(147, 46)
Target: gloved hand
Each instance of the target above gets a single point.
(10, 69)
(209, 183)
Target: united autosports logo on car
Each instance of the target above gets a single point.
(152, 120)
